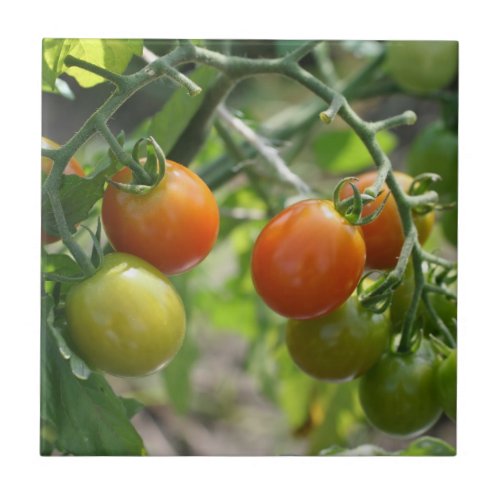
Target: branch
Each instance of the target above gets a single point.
(267, 152)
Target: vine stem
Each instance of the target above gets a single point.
(269, 153)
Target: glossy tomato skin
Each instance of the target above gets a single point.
(384, 236)
(447, 385)
(399, 394)
(72, 168)
(173, 227)
(422, 66)
(126, 319)
(307, 260)
(340, 346)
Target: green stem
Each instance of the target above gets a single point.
(76, 250)
(123, 157)
(443, 329)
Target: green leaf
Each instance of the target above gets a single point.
(177, 375)
(132, 406)
(60, 264)
(113, 55)
(78, 195)
(342, 151)
(86, 417)
(168, 124)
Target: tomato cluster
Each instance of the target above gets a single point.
(127, 319)
(306, 264)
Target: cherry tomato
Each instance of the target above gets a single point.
(340, 346)
(73, 167)
(447, 385)
(127, 318)
(308, 260)
(422, 66)
(435, 149)
(384, 236)
(399, 394)
(173, 227)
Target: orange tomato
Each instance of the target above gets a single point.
(308, 260)
(384, 237)
(173, 227)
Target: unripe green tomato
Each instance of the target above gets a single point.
(422, 66)
(340, 346)
(127, 318)
(435, 149)
(399, 394)
(447, 385)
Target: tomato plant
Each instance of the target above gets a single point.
(384, 236)
(127, 318)
(308, 260)
(422, 66)
(340, 346)
(72, 168)
(447, 385)
(399, 394)
(173, 227)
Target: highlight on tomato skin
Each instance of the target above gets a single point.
(384, 237)
(173, 227)
(307, 260)
(72, 168)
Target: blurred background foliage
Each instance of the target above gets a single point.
(233, 389)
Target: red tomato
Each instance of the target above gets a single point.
(173, 227)
(308, 260)
(73, 167)
(384, 236)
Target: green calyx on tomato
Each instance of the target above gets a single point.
(399, 394)
(126, 319)
(447, 385)
(340, 346)
(307, 260)
(384, 237)
(422, 66)
(173, 226)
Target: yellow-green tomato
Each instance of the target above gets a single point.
(447, 385)
(340, 346)
(126, 319)
(422, 66)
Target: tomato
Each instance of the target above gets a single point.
(340, 346)
(73, 167)
(127, 318)
(384, 237)
(422, 66)
(307, 260)
(173, 227)
(447, 385)
(435, 149)
(399, 394)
